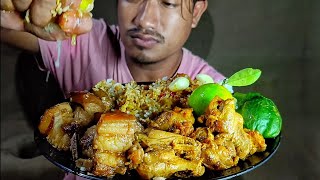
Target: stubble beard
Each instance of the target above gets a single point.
(143, 59)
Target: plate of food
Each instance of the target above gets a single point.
(174, 128)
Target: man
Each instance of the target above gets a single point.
(146, 45)
(152, 34)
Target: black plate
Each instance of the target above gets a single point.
(64, 161)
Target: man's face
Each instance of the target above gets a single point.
(153, 30)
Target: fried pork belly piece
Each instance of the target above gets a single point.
(163, 154)
(114, 136)
(81, 120)
(90, 103)
(52, 123)
(86, 107)
(82, 117)
(178, 121)
(108, 164)
(108, 101)
(232, 142)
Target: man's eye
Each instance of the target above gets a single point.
(134, 1)
(169, 4)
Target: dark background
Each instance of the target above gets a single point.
(282, 38)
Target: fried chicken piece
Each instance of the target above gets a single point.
(218, 152)
(114, 136)
(163, 154)
(232, 142)
(165, 163)
(52, 123)
(257, 139)
(178, 121)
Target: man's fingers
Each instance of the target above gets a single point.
(7, 5)
(39, 32)
(21, 5)
(51, 32)
(48, 19)
(55, 31)
(40, 12)
(11, 20)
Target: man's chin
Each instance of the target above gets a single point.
(142, 58)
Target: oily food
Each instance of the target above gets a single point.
(73, 17)
(150, 129)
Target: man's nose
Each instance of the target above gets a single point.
(148, 16)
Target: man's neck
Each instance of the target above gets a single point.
(154, 71)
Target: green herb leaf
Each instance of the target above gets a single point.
(244, 77)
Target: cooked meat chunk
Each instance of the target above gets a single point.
(232, 142)
(52, 123)
(114, 136)
(178, 121)
(90, 103)
(86, 142)
(165, 154)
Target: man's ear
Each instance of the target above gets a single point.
(198, 9)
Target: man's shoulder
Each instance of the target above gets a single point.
(193, 65)
(188, 55)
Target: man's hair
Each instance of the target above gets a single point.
(191, 5)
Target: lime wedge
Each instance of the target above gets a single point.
(203, 95)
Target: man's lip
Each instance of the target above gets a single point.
(144, 41)
(145, 37)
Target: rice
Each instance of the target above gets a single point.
(143, 101)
